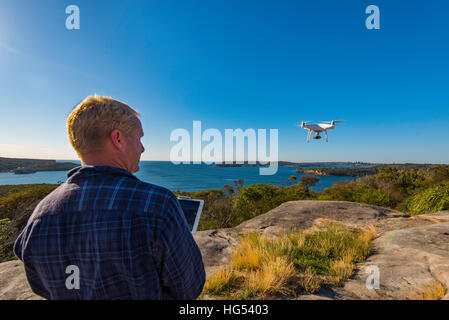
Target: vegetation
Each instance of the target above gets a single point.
(308, 181)
(16, 204)
(20, 166)
(6, 252)
(340, 172)
(294, 263)
(432, 291)
(234, 204)
(11, 197)
(431, 200)
(352, 171)
(422, 188)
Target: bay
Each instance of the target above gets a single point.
(183, 177)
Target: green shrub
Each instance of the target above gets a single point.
(308, 181)
(363, 194)
(355, 192)
(16, 195)
(430, 200)
(260, 198)
(3, 228)
(340, 191)
(6, 241)
(254, 200)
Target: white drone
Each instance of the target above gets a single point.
(318, 128)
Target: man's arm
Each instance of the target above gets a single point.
(178, 257)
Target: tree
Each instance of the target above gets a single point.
(291, 178)
(308, 181)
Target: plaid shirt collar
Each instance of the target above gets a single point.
(88, 170)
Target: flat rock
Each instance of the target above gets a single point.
(13, 282)
(408, 260)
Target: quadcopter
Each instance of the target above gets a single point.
(318, 128)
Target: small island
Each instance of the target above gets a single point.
(25, 166)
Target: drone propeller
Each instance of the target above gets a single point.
(335, 121)
(303, 122)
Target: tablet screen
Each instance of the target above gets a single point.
(191, 210)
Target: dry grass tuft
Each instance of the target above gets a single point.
(299, 261)
(271, 278)
(432, 291)
(309, 281)
(221, 282)
(247, 256)
(341, 270)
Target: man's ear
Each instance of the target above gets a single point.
(116, 138)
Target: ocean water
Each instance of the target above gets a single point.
(183, 177)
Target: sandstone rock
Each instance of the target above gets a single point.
(409, 260)
(13, 282)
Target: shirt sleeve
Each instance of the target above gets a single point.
(179, 260)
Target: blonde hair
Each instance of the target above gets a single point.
(91, 122)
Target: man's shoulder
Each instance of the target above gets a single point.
(151, 190)
(137, 195)
(106, 193)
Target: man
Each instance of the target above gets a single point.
(104, 234)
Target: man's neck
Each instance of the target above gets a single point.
(101, 160)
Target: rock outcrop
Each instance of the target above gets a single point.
(411, 253)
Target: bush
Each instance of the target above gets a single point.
(16, 204)
(16, 195)
(254, 200)
(308, 181)
(260, 198)
(3, 228)
(6, 241)
(431, 200)
(375, 197)
(355, 192)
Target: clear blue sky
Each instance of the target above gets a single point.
(233, 64)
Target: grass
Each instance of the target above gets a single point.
(296, 262)
(431, 200)
(432, 291)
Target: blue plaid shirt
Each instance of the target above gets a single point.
(126, 239)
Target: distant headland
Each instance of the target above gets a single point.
(23, 166)
(335, 169)
(301, 164)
